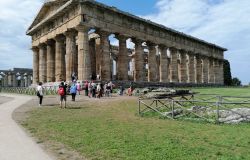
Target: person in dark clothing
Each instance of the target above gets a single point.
(62, 92)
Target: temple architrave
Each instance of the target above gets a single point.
(71, 37)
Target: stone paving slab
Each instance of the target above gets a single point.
(14, 142)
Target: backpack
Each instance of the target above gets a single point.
(61, 91)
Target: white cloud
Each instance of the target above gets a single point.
(224, 22)
(15, 17)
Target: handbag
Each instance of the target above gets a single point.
(38, 93)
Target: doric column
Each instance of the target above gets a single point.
(42, 63)
(70, 54)
(60, 58)
(216, 71)
(105, 56)
(92, 53)
(14, 80)
(221, 72)
(98, 56)
(29, 79)
(50, 61)
(191, 68)
(6, 80)
(173, 65)
(163, 69)
(211, 71)
(122, 62)
(9, 79)
(183, 66)
(152, 63)
(198, 69)
(205, 62)
(35, 65)
(139, 61)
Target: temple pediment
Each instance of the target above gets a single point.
(49, 7)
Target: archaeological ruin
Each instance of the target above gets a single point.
(71, 37)
(16, 77)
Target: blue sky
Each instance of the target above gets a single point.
(223, 22)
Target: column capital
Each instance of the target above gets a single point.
(183, 51)
(162, 46)
(151, 44)
(42, 46)
(103, 33)
(71, 33)
(59, 38)
(34, 48)
(137, 41)
(172, 48)
(81, 28)
(121, 37)
(50, 42)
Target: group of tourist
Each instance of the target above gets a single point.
(92, 90)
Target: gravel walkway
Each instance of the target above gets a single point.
(14, 142)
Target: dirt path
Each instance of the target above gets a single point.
(15, 144)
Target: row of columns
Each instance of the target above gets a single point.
(10, 80)
(60, 57)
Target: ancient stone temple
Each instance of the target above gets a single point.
(71, 37)
(16, 77)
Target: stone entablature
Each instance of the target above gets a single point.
(172, 56)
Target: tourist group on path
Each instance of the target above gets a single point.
(91, 89)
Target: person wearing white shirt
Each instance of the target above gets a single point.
(39, 92)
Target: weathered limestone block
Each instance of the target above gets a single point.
(84, 61)
(221, 72)
(198, 69)
(50, 61)
(35, 65)
(191, 68)
(42, 63)
(105, 54)
(92, 53)
(173, 65)
(205, 62)
(152, 63)
(216, 71)
(235, 115)
(70, 54)
(211, 71)
(183, 66)
(139, 61)
(163, 64)
(122, 63)
(60, 58)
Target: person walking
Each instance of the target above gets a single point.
(99, 90)
(39, 93)
(86, 87)
(78, 86)
(73, 91)
(62, 92)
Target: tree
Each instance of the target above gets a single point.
(236, 82)
(227, 73)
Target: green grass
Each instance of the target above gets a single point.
(113, 130)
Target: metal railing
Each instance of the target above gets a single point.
(211, 108)
(28, 91)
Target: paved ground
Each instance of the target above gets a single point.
(14, 142)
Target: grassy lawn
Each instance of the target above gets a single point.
(113, 130)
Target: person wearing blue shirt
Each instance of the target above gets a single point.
(73, 91)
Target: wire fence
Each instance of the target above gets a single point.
(211, 108)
